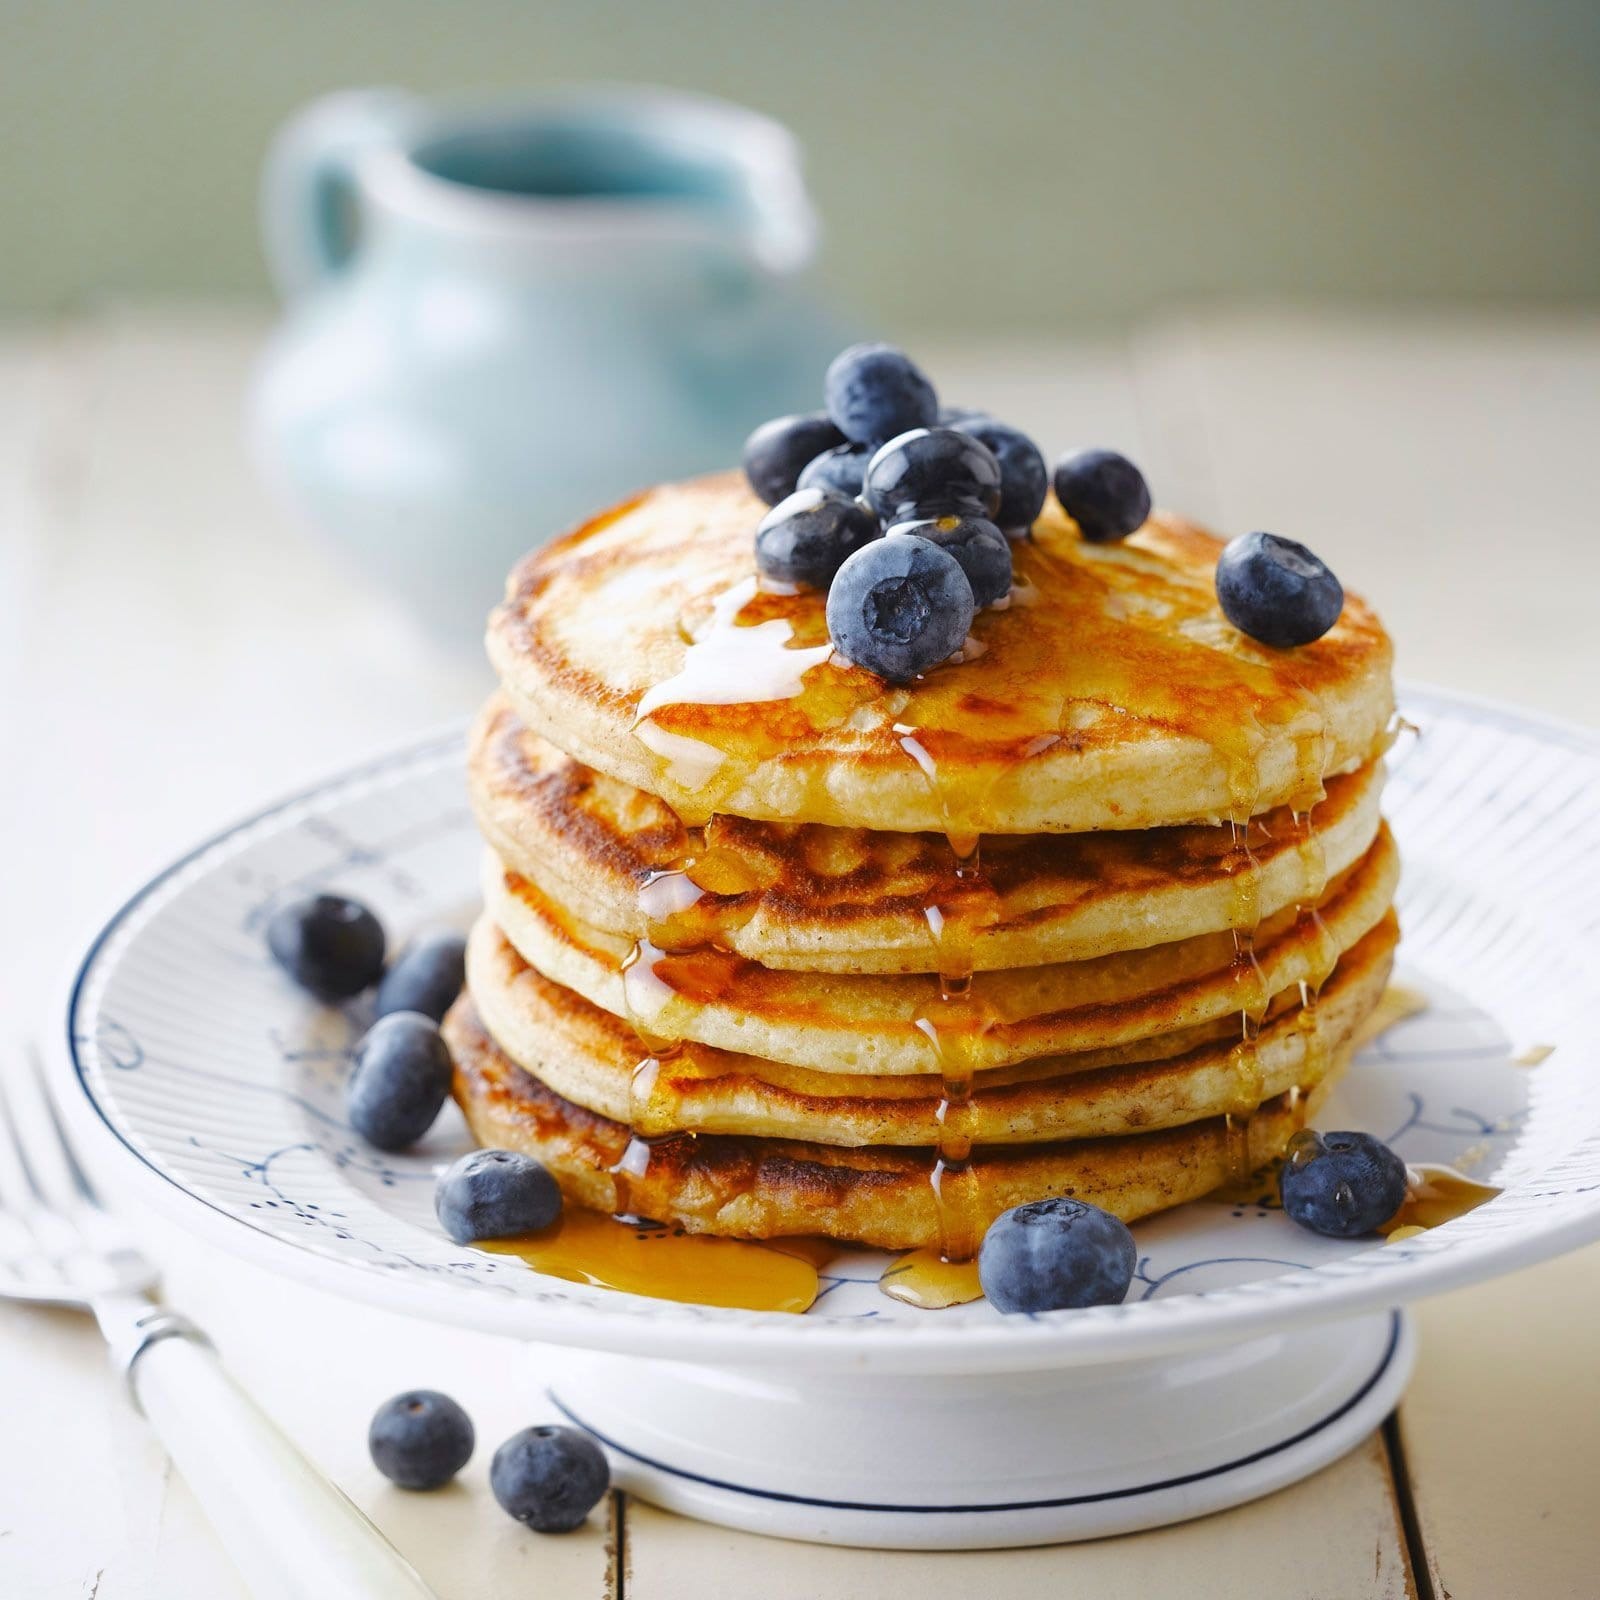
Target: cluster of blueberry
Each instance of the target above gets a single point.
(549, 1478)
(950, 488)
(333, 947)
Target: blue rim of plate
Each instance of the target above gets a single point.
(1210, 1316)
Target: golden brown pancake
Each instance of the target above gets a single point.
(1110, 692)
(879, 1195)
(890, 1025)
(828, 899)
(594, 1060)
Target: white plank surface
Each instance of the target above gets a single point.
(1334, 1535)
(160, 619)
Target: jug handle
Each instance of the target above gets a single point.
(308, 184)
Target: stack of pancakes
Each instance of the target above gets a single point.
(772, 948)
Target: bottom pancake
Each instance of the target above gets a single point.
(754, 1188)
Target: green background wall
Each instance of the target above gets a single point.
(1007, 166)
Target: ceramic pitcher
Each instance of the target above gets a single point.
(500, 320)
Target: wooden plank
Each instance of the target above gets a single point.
(1500, 1436)
(1336, 1534)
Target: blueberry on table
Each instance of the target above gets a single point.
(427, 977)
(1104, 493)
(981, 550)
(807, 537)
(1024, 478)
(402, 1075)
(928, 472)
(873, 392)
(495, 1194)
(1341, 1184)
(1276, 590)
(777, 451)
(330, 945)
(550, 1478)
(899, 606)
(420, 1439)
(840, 471)
(1056, 1255)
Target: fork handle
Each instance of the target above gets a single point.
(292, 1533)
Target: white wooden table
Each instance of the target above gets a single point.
(172, 653)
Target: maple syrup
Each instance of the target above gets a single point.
(925, 1279)
(1436, 1195)
(666, 1263)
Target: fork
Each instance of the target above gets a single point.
(292, 1533)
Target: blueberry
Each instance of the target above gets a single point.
(1024, 478)
(777, 450)
(805, 538)
(1277, 591)
(930, 471)
(982, 551)
(839, 471)
(420, 1439)
(495, 1194)
(427, 977)
(898, 607)
(1056, 1255)
(401, 1078)
(330, 945)
(874, 391)
(1104, 493)
(550, 1478)
(1341, 1184)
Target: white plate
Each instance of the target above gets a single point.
(1248, 1354)
(225, 1083)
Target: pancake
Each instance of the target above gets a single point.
(878, 1195)
(893, 1025)
(829, 899)
(593, 1060)
(1107, 693)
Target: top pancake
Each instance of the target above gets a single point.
(1109, 692)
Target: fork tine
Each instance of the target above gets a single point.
(69, 1156)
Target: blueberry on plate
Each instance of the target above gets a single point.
(1341, 1184)
(427, 977)
(1104, 493)
(777, 451)
(420, 1439)
(1056, 1255)
(928, 472)
(495, 1194)
(806, 538)
(550, 1478)
(981, 550)
(401, 1078)
(899, 606)
(873, 392)
(330, 945)
(839, 471)
(1276, 590)
(1024, 478)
